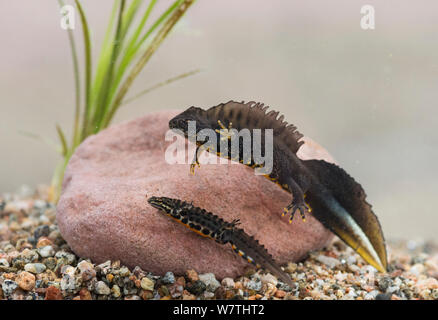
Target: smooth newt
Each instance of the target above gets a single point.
(211, 226)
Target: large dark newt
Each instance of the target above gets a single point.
(334, 197)
(211, 226)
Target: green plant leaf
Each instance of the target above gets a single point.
(103, 99)
(155, 43)
(139, 29)
(124, 42)
(135, 45)
(159, 85)
(44, 140)
(76, 125)
(64, 146)
(158, 22)
(88, 68)
(129, 15)
(104, 57)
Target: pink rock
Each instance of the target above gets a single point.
(103, 213)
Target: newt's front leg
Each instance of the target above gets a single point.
(199, 149)
(225, 133)
(298, 203)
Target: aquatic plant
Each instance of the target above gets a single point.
(127, 47)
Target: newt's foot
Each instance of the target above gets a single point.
(192, 167)
(225, 133)
(293, 207)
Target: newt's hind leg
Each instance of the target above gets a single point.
(298, 203)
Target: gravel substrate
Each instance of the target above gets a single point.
(36, 264)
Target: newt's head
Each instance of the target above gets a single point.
(162, 203)
(193, 117)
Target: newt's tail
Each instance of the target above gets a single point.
(254, 252)
(341, 206)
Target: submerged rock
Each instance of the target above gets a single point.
(103, 213)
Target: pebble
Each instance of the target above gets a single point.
(102, 288)
(371, 295)
(68, 283)
(328, 261)
(176, 290)
(168, 278)
(8, 248)
(181, 281)
(392, 289)
(84, 294)
(115, 290)
(187, 296)
(25, 280)
(86, 269)
(4, 263)
(384, 296)
(269, 278)
(43, 242)
(210, 281)
(53, 293)
(280, 294)
(41, 231)
(65, 257)
(35, 267)
(254, 285)
(354, 268)
(197, 287)
(351, 260)
(368, 269)
(291, 267)
(46, 251)
(138, 272)
(192, 275)
(208, 295)
(428, 283)
(8, 287)
(50, 263)
(417, 269)
(147, 284)
(385, 283)
(228, 282)
(124, 272)
(28, 256)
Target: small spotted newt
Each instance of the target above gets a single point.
(211, 226)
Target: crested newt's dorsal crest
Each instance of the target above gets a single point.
(317, 186)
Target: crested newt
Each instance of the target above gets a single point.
(316, 186)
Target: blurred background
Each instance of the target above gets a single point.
(368, 96)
